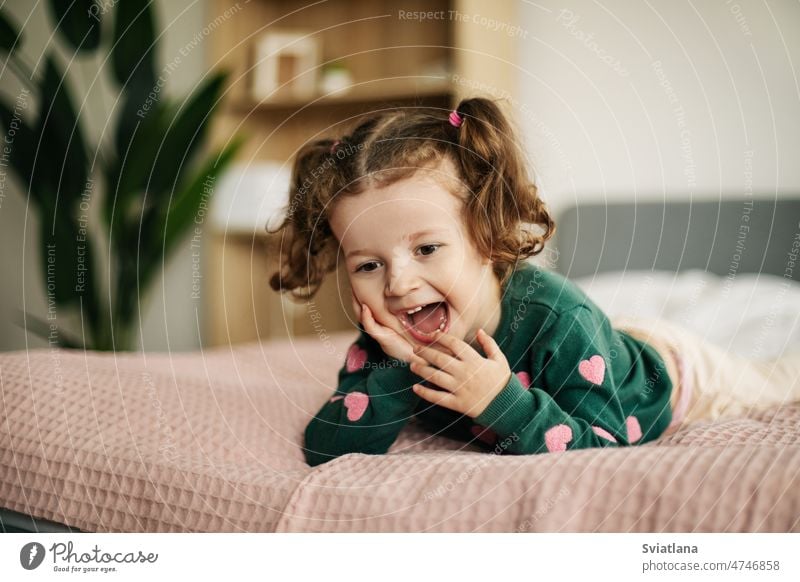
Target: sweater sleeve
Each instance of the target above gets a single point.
(373, 401)
(579, 409)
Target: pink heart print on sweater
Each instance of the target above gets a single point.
(634, 430)
(356, 358)
(524, 379)
(557, 437)
(593, 369)
(355, 403)
(601, 432)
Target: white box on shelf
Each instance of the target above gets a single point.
(286, 63)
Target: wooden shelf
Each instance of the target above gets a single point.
(367, 91)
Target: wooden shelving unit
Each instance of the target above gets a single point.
(393, 62)
(366, 91)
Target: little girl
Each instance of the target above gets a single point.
(432, 216)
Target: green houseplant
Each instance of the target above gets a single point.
(155, 176)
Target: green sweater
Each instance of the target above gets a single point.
(576, 383)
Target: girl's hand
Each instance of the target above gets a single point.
(470, 381)
(392, 343)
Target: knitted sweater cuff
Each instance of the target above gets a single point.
(509, 410)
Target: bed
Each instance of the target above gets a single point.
(210, 441)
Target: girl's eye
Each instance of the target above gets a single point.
(433, 246)
(432, 249)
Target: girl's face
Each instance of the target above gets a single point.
(405, 246)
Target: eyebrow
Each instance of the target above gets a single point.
(410, 238)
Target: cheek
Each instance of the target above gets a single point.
(358, 290)
(372, 297)
(366, 288)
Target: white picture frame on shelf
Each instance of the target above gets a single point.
(285, 65)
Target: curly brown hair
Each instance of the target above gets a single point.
(392, 145)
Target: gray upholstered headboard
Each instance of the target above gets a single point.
(722, 237)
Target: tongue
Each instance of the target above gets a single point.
(427, 319)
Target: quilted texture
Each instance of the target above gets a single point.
(210, 441)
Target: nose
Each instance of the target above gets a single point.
(403, 278)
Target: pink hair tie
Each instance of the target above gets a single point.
(455, 119)
(333, 147)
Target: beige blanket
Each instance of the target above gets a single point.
(210, 441)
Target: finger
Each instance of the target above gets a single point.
(461, 350)
(419, 363)
(434, 396)
(372, 326)
(490, 347)
(376, 329)
(434, 347)
(438, 377)
(377, 324)
(368, 313)
(435, 356)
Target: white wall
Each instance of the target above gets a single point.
(169, 317)
(603, 120)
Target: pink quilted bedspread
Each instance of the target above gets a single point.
(210, 441)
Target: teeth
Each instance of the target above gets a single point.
(441, 328)
(407, 323)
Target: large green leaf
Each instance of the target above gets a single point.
(61, 159)
(185, 206)
(131, 168)
(10, 35)
(20, 142)
(78, 21)
(138, 102)
(133, 50)
(164, 225)
(158, 153)
(133, 59)
(185, 131)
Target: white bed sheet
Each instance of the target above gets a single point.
(752, 315)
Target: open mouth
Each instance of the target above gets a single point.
(426, 320)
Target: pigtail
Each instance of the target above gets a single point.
(482, 136)
(307, 252)
(503, 199)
